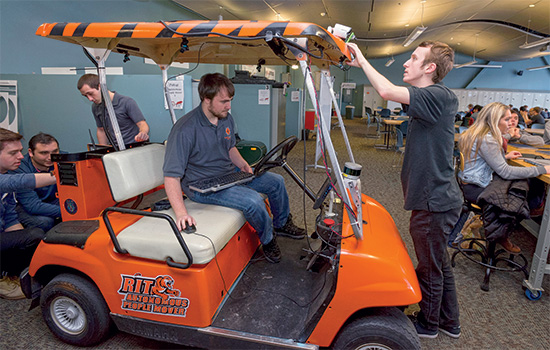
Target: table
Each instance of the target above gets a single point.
(539, 267)
(389, 123)
(535, 131)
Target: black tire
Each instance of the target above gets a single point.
(387, 328)
(75, 311)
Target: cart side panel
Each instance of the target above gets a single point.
(374, 272)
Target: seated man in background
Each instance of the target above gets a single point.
(515, 134)
(131, 121)
(470, 117)
(38, 207)
(535, 117)
(202, 145)
(17, 244)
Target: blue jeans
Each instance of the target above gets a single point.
(430, 234)
(247, 199)
(28, 220)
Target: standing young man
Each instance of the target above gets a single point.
(427, 177)
(131, 121)
(202, 145)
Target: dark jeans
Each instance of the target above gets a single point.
(430, 233)
(17, 248)
(28, 220)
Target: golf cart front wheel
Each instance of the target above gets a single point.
(386, 329)
(75, 311)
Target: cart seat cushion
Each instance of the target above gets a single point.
(153, 238)
(134, 171)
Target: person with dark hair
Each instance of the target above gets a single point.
(131, 121)
(429, 184)
(202, 145)
(17, 244)
(38, 207)
(471, 116)
(535, 117)
(515, 134)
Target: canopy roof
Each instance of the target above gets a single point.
(219, 42)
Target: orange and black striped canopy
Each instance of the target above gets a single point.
(222, 42)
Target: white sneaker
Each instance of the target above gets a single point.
(10, 288)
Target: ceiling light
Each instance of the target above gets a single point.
(537, 68)
(464, 64)
(472, 65)
(414, 35)
(535, 43)
(390, 62)
(294, 66)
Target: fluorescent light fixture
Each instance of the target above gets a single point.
(390, 62)
(414, 35)
(480, 66)
(535, 43)
(465, 64)
(537, 68)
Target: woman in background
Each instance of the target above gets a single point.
(482, 148)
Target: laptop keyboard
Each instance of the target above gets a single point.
(221, 182)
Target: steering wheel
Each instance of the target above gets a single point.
(265, 163)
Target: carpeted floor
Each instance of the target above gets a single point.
(502, 318)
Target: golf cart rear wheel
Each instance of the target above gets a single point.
(75, 311)
(386, 329)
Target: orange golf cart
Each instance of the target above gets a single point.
(118, 260)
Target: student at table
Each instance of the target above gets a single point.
(484, 156)
(515, 134)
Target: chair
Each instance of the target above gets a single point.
(485, 250)
(368, 111)
(376, 121)
(385, 113)
(537, 126)
(404, 127)
(399, 146)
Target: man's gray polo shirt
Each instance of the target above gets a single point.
(197, 149)
(127, 114)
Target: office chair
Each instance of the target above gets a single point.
(485, 250)
(537, 126)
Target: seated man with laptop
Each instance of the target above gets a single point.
(201, 146)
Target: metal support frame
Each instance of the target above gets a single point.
(100, 56)
(324, 142)
(539, 267)
(164, 69)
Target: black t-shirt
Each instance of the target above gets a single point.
(427, 175)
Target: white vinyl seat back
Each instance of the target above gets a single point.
(134, 171)
(153, 238)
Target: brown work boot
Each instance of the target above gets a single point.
(10, 288)
(509, 246)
